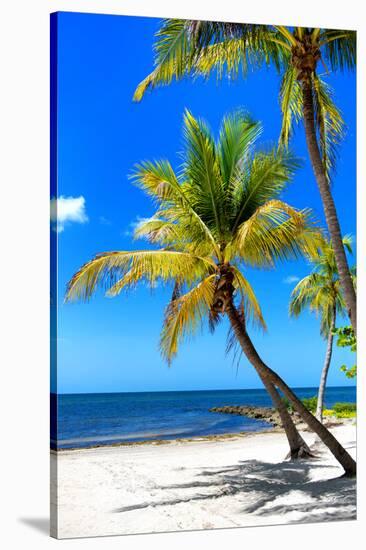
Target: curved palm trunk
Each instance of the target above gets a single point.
(223, 297)
(324, 374)
(328, 202)
(298, 447)
(268, 374)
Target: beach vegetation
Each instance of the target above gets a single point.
(342, 410)
(310, 403)
(346, 339)
(346, 414)
(287, 403)
(344, 407)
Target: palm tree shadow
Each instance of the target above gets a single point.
(273, 485)
(278, 482)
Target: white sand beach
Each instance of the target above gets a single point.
(228, 482)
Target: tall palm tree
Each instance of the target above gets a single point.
(198, 47)
(220, 213)
(321, 293)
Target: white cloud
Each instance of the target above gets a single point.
(65, 210)
(290, 279)
(129, 232)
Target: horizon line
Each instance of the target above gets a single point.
(180, 391)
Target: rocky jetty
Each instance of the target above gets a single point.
(266, 414)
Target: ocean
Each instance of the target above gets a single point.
(86, 420)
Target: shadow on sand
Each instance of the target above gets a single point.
(270, 485)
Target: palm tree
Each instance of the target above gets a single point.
(221, 212)
(321, 293)
(199, 47)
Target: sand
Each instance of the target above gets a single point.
(232, 482)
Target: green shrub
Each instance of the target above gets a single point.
(341, 410)
(310, 403)
(347, 338)
(350, 372)
(344, 407)
(346, 414)
(287, 403)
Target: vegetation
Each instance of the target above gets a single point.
(347, 338)
(310, 403)
(200, 47)
(321, 292)
(287, 404)
(220, 213)
(339, 410)
(346, 414)
(344, 407)
(350, 372)
(342, 410)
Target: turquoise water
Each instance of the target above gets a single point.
(85, 420)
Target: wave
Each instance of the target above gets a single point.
(125, 437)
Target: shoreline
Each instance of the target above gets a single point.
(156, 442)
(329, 423)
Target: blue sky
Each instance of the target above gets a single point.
(112, 344)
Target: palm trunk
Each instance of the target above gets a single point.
(298, 447)
(324, 374)
(328, 202)
(268, 374)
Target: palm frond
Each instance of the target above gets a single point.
(249, 300)
(178, 44)
(329, 123)
(159, 181)
(227, 59)
(287, 34)
(320, 291)
(173, 55)
(201, 169)
(248, 46)
(306, 294)
(179, 232)
(117, 270)
(323, 258)
(291, 104)
(339, 48)
(184, 315)
(274, 232)
(317, 293)
(347, 241)
(266, 177)
(315, 35)
(238, 134)
(158, 231)
(214, 319)
(185, 47)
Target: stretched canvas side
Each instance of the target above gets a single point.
(53, 275)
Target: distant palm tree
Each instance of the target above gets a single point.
(221, 212)
(198, 47)
(321, 292)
